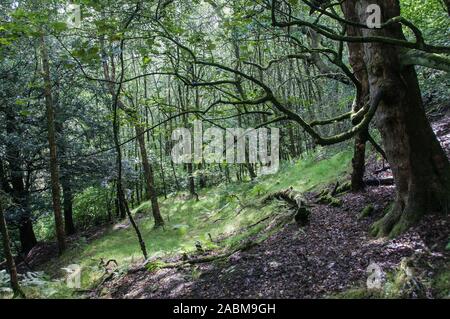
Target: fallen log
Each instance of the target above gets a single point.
(337, 189)
(379, 182)
(186, 261)
(295, 200)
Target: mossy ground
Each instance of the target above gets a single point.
(397, 286)
(218, 214)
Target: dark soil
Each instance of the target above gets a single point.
(328, 256)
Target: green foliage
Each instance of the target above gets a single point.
(432, 19)
(90, 206)
(44, 227)
(35, 285)
(217, 215)
(429, 16)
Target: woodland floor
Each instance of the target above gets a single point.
(328, 256)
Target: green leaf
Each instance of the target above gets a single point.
(59, 26)
(146, 60)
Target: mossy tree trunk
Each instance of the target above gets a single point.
(356, 60)
(420, 167)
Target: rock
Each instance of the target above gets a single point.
(274, 264)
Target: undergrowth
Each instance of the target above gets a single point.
(224, 216)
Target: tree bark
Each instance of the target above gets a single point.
(420, 167)
(191, 181)
(8, 254)
(54, 171)
(115, 96)
(69, 224)
(18, 191)
(359, 161)
(149, 179)
(65, 178)
(356, 60)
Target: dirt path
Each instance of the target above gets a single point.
(329, 255)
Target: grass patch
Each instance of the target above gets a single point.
(218, 214)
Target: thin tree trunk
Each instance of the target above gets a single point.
(191, 181)
(65, 175)
(115, 95)
(148, 174)
(54, 173)
(161, 167)
(8, 254)
(177, 183)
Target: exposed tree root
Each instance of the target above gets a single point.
(395, 222)
(329, 199)
(294, 199)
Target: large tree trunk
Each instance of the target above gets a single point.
(18, 192)
(8, 254)
(149, 180)
(24, 222)
(419, 165)
(54, 171)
